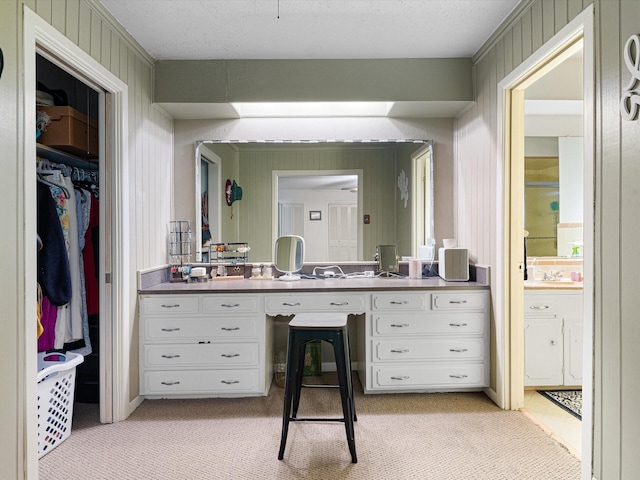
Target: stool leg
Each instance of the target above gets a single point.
(346, 394)
(289, 388)
(349, 373)
(299, 353)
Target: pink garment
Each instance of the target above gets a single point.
(48, 320)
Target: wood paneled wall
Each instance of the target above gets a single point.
(87, 24)
(616, 432)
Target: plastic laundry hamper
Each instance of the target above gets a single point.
(56, 385)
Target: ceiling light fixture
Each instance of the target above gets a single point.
(312, 109)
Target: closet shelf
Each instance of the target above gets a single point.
(58, 156)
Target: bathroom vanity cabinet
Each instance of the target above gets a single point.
(213, 343)
(553, 337)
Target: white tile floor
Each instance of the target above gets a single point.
(561, 425)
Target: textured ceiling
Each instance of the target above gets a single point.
(309, 29)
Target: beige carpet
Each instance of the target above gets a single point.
(410, 436)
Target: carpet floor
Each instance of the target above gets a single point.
(568, 400)
(443, 436)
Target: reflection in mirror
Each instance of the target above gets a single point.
(334, 230)
(208, 188)
(387, 256)
(289, 256)
(376, 214)
(553, 196)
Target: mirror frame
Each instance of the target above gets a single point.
(427, 145)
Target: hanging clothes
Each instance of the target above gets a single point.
(53, 262)
(83, 210)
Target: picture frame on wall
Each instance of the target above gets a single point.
(315, 215)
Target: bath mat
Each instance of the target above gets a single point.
(569, 400)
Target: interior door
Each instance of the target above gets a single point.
(343, 232)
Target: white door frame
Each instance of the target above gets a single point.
(114, 335)
(507, 301)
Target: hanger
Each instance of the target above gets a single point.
(50, 184)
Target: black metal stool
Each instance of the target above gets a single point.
(332, 328)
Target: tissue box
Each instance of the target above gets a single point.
(70, 131)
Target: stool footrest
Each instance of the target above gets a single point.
(304, 385)
(296, 419)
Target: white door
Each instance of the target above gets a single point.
(343, 232)
(291, 219)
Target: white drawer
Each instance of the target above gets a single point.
(210, 354)
(169, 304)
(541, 305)
(201, 382)
(334, 302)
(230, 304)
(429, 376)
(400, 350)
(399, 301)
(460, 300)
(423, 324)
(183, 329)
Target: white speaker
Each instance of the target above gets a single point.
(453, 264)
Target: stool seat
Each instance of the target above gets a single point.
(319, 320)
(331, 328)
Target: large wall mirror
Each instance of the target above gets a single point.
(342, 197)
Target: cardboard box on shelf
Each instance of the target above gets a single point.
(70, 131)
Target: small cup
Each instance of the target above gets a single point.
(449, 243)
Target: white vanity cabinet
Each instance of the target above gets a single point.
(553, 337)
(427, 341)
(205, 345)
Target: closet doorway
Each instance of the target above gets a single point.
(71, 127)
(115, 298)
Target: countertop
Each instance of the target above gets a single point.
(552, 285)
(246, 285)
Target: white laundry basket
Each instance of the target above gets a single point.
(56, 385)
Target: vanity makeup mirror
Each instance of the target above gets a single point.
(383, 212)
(289, 256)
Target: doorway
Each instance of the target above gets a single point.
(577, 34)
(113, 260)
(322, 206)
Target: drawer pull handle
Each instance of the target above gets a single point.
(539, 307)
(400, 325)
(404, 377)
(291, 304)
(170, 356)
(230, 355)
(406, 350)
(170, 383)
(170, 306)
(554, 342)
(458, 376)
(229, 329)
(457, 324)
(459, 350)
(458, 302)
(395, 302)
(339, 304)
(171, 329)
(230, 382)
(230, 305)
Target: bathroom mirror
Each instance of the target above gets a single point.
(383, 213)
(289, 256)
